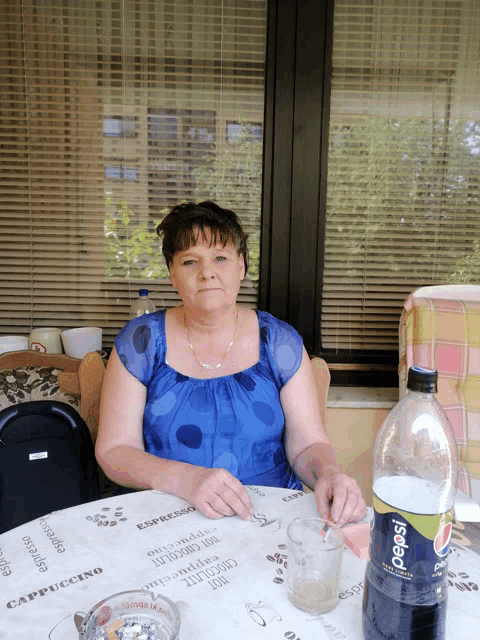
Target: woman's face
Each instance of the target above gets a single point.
(207, 277)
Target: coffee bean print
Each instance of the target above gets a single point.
(271, 558)
(265, 524)
(461, 586)
(106, 518)
(280, 572)
(289, 635)
(278, 580)
(282, 546)
(279, 560)
(285, 564)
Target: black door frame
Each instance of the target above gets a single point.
(296, 123)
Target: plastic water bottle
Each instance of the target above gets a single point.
(142, 304)
(414, 486)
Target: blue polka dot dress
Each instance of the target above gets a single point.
(235, 422)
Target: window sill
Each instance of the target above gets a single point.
(362, 397)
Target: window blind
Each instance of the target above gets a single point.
(403, 185)
(110, 112)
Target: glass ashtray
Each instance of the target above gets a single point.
(132, 614)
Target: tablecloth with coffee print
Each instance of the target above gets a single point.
(226, 576)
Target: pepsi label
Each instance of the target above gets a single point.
(408, 545)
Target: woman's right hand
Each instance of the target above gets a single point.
(120, 451)
(216, 493)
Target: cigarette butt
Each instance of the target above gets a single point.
(115, 625)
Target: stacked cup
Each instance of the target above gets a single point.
(45, 340)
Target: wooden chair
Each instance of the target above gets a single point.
(322, 381)
(30, 375)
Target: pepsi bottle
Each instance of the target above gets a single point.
(414, 485)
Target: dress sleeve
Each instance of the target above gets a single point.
(284, 347)
(140, 346)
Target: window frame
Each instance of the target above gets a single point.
(297, 90)
(125, 130)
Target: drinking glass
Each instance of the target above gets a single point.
(315, 549)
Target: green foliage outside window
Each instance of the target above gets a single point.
(404, 199)
(132, 251)
(388, 180)
(232, 179)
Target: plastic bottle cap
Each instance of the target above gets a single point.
(422, 379)
(143, 292)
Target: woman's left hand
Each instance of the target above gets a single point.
(343, 494)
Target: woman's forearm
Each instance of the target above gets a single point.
(132, 467)
(314, 462)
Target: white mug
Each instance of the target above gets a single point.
(45, 340)
(13, 343)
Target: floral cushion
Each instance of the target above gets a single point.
(14, 386)
(33, 383)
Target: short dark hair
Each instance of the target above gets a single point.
(183, 224)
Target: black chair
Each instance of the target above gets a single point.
(47, 461)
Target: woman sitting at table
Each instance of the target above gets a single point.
(208, 396)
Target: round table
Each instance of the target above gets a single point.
(226, 576)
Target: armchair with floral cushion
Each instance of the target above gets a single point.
(30, 375)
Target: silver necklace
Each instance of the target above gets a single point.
(205, 365)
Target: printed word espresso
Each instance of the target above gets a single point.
(4, 568)
(165, 518)
(35, 554)
(54, 587)
(58, 544)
